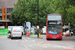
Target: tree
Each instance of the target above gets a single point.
(26, 10)
(66, 9)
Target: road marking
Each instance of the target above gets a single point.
(44, 43)
(70, 48)
(33, 40)
(16, 40)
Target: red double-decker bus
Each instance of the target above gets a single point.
(54, 28)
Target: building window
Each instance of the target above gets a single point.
(0, 10)
(0, 17)
(8, 17)
(0, 24)
(2, 3)
(9, 10)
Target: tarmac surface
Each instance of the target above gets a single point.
(34, 43)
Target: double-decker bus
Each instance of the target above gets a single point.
(54, 28)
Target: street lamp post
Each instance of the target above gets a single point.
(69, 30)
(37, 17)
(37, 12)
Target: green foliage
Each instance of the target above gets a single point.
(26, 10)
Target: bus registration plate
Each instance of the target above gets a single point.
(54, 38)
(14, 34)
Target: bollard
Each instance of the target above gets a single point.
(39, 35)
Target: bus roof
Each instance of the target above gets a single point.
(54, 14)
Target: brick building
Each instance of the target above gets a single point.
(6, 7)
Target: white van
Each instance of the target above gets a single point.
(22, 29)
(15, 32)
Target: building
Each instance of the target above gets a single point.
(6, 7)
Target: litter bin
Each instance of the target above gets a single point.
(39, 35)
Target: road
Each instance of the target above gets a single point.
(34, 43)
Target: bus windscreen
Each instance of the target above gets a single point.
(54, 29)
